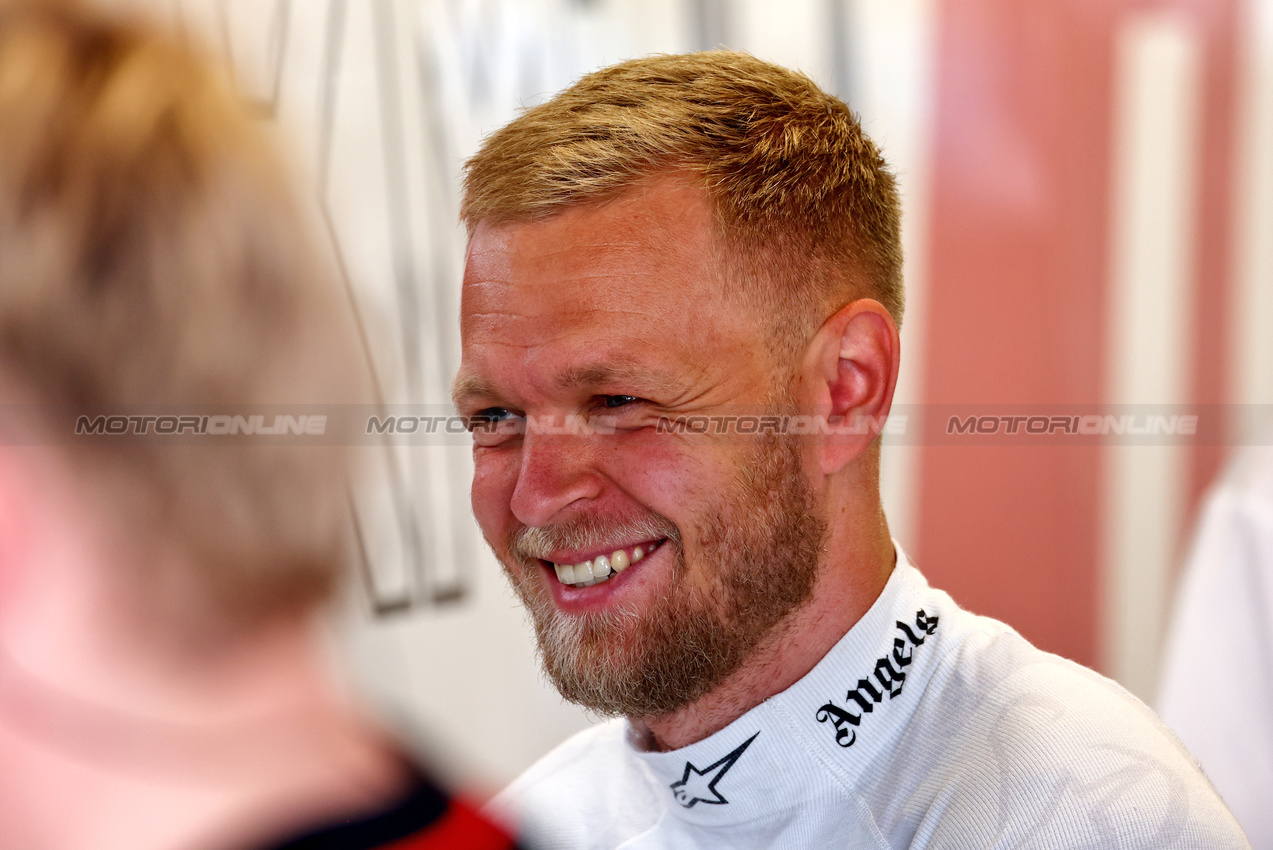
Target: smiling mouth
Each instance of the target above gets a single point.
(603, 567)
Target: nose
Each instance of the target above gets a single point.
(556, 472)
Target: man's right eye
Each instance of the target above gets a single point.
(490, 417)
(492, 426)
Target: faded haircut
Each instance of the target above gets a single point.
(152, 252)
(807, 209)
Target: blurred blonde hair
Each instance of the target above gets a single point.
(151, 252)
(808, 212)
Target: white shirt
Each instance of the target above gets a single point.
(1217, 683)
(924, 726)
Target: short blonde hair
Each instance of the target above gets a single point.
(802, 196)
(152, 252)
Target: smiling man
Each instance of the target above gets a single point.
(680, 308)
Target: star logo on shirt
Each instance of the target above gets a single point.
(699, 786)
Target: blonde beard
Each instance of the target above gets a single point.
(766, 540)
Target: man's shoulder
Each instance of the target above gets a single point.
(1014, 742)
(986, 671)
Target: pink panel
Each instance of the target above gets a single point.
(1017, 306)
(1018, 290)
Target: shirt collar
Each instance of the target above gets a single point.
(830, 724)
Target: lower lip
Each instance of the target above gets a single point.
(598, 596)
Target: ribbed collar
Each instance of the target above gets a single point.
(779, 755)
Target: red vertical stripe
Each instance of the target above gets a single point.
(1017, 270)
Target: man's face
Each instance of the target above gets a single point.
(696, 546)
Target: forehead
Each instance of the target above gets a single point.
(653, 242)
(633, 280)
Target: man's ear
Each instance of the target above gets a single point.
(852, 368)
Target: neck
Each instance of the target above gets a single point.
(846, 588)
(235, 748)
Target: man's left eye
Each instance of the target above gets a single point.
(618, 400)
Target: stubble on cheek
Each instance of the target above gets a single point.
(615, 662)
(761, 547)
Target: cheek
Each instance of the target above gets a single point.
(677, 478)
(494, 479)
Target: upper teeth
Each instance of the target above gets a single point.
(600, 568)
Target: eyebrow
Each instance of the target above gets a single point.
(596, 375)
(581, 377)
(468, 387)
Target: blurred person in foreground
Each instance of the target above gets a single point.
(679, 325)
(162, 679)
(1221, 637)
